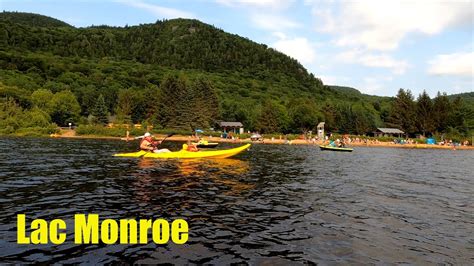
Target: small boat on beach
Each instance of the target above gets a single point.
(331, 148)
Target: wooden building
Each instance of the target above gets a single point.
(235, 127)
(388, 132)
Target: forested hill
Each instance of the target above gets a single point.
(467, 97)
(177, 43)
(32, 20)
(176, 72)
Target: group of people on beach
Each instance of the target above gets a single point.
(449, 142)
(148, 143)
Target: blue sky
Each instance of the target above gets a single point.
(374, 46)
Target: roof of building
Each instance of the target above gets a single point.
(390, 130)
(230, 124)
(321, 124)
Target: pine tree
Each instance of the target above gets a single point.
(125, 104)
(403, 112)
(100, 110)
(268, 120)
(205, 103)
(424, 113)
(175, 103)
(441, 111)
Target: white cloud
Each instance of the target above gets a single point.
(333, 80)
(373, 60)
(273, 22)
(159, 11)
(381, 25)
(298, 48)
(456, 64)
(374, 85)
(272, 4)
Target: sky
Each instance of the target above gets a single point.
(375, 46)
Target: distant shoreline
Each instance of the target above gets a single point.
(275, 141)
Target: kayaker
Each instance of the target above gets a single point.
(191, 147)
(147, 144)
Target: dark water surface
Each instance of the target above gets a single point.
(271, 205)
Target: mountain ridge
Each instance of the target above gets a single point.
(257, 85)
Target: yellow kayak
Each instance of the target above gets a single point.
(184, 154)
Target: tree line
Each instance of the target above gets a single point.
(184, 73)
(431, 116)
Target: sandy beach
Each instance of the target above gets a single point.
(71, 134)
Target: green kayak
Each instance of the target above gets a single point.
(331, 148)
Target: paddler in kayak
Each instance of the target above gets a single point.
(147, 144)
(190, 146)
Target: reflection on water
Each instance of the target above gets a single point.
(175, 177)
(270, 205)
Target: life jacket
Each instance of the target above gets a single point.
(149, 139)
(192, 148)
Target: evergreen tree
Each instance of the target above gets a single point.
(174, 104)
(403, 112)
(441, 111)
(424, 113)
(205, 107)
(461, 117)
(273, 118)
(125, 104)
(100, 110)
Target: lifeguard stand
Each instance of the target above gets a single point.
(321, 130)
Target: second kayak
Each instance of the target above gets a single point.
(184, 154)
(331, 148)
(206, 144)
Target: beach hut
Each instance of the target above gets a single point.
(321, 130)
(235, 127)
(388, 132)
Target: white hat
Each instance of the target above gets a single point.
(147, 134)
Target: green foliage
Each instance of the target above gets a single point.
(184, 104)
(100, 110)
(303, 114)
(15, 120)
(181, 74)
(403, 113)
(204, 103)
(424, 114)
(11, 115)
(441, 111)
(273, 117)
(41, 98)
(37, 118)
(30, 19)
(64, 108)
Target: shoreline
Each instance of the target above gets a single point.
(275, 141)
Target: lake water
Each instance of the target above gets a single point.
(274, 204)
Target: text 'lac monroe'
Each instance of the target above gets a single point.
(88, 229)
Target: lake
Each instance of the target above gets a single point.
(273, 204)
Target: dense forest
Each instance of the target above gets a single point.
(180, 72)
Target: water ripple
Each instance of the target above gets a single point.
(272, 205)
